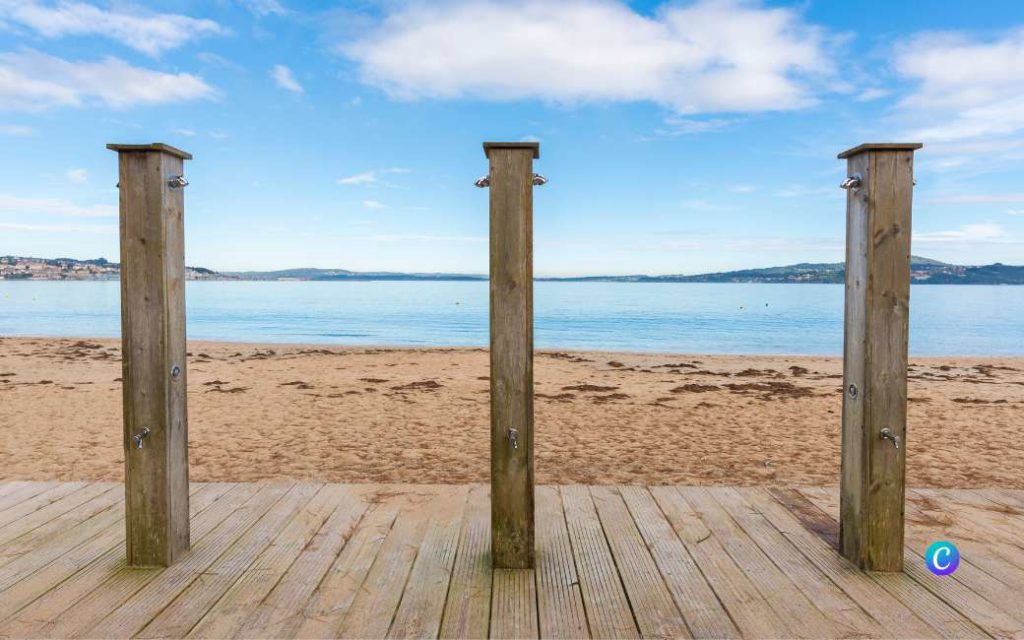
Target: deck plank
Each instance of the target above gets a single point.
(843, 613)
(559, 601)
(514, 604)
(749, 610)
(39, 582)
(802, 617)
(987, 573)
(652, 604)
(331, 601)
(422, 607)
(23, 491)
(958, 591)
(898, 620)
(279, 611)
(999, 557)
(7, 487)
(467, 612)
(130, 596)
(604, 597)
(310, 560)
(941, 615)
(89, 502)
(1006, 498)
(381, 593)
(44, 617)
(247, 566)
(34, 550)
(999, 522)
(703, 612)
(21, 510)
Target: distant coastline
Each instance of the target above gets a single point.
(923, 271)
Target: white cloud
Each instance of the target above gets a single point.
(30, 80)
(371, 177)
(714, 55)
(282, 75)
(151, 34)
(1015, 212)
(16, 130)
(366, 177)
(869, 95)
(969, 233)
(78, 176)
(373, 205)
(185, 132)
(965, 89)
(54, 207)
(263, 8)
(679, 126)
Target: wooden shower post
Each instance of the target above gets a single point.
(153, 352)
(511, 214)
(878, 205)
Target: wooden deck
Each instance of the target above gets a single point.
(314, 560)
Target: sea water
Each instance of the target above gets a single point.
(667, 317)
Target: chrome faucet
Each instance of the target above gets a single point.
(140, 436)
(887, 434)
(513, 438)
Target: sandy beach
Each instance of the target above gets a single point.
(262, 412)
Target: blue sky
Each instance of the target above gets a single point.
(678, 137)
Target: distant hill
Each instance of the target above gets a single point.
(21, 268)
(923, 271)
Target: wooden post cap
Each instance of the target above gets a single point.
(535, 146)
(156, 146)
(880, 146)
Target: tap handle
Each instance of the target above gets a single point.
(887, 434)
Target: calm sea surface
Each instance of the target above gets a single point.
(684, 318)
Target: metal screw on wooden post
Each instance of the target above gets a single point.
(511, 180)
(151, 188)
(878, 217)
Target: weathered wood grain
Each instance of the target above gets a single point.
(153, 353)
(702, 610)
(607, 606)
(942, 615)
(875, 354)
(467, 612)
(374, 561)
(76, 562)
(748, 608)
(511, 327)
(559, 601)
(244, 574)
(514, 604)
(129, 599)
(654, 610)
(898, 619)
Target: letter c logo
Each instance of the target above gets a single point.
(942, 558)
